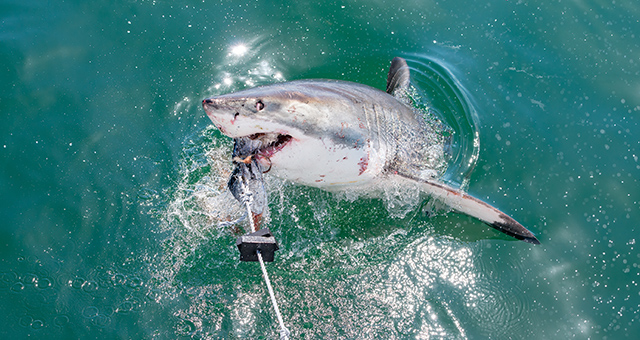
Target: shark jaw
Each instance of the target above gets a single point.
(258, 137)
(266, 144)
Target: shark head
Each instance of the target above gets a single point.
(252, 116)
(313, 132)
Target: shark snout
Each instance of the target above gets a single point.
(223, 103)
(210, 103)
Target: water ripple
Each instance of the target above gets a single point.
(446, 96)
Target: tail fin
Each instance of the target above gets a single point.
(474, 207)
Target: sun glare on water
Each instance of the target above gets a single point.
(239, 50)
(244, 66)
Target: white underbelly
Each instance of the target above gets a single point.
(326, 165)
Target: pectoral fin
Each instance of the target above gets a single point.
(474, 207)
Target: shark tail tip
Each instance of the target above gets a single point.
(531, 239)
(514, 229)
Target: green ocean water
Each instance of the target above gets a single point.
(112, 177)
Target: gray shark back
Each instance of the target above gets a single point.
(413, 145)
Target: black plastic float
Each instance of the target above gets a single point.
(261, 240)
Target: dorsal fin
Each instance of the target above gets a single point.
(398, 78)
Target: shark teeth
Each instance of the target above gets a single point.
(273, 143)
(263, 144)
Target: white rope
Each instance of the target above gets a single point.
(247, 197)
(284, 332)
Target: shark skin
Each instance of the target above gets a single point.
(338, 135)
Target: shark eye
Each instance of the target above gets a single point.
(259, 105)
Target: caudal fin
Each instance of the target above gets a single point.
(474, 207)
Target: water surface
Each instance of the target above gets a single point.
(112, 175)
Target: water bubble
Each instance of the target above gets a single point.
(135, 282)
(90, 312)
(107, 310)
(154, 295)
(64, 279)
(185, 327)
(29, 278)
(7, 279)
(118, 279)
(35, 301)
(77, 283)
(17, 287)
(44, 283)
(61, 320)
(125, 307)
(37, 324)
(25, 321)
(103, 278)
(90, 286)
(101, 320)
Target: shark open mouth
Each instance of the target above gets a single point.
(263, 144)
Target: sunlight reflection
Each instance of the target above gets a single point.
(246, 64)
(430, 265)
(244, 318)
(239, 50)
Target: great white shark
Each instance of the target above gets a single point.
(338, 135)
